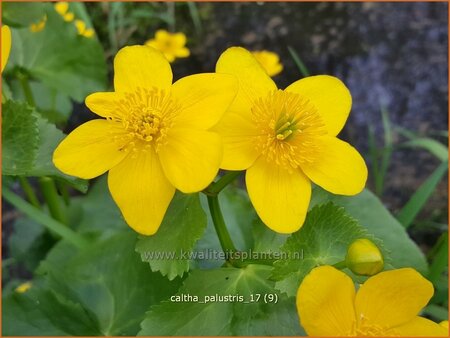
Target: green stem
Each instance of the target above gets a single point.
(340, 265)
(52, 198)
(219, 224)
(27, 89)
(29, 192)
(42, 218)
(62, 187)
(216, 187)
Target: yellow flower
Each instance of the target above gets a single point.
(364, 258)
(172, 45)
(387, 304)
(39, 26)
(285, 138)
(270, 61)
(6, 45)
(82, 30)
(155, 136)
(444, 324)
(24, 287)
(63, 9)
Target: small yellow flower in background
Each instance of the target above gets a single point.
(387, 304)
(364, 258)
(83, 30)
(6, 45)
(270, 61)
(155, 136)
(172, 45)
(287, 138)
(63, 9)
(24, 287)
(39, 26)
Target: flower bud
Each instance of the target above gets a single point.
(364, 258)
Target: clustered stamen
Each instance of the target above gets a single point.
(288, 124)
(146, 115)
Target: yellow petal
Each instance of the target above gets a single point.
(141, 191)
(69, 17)
(254, 82)
(61, 7)
(337, 167)
(329, 95)
(280, 197)
(325, 303)
(104, 104)
(203, 99)
(162, 34)
(182, 52)
(444, 324)
(141, 67)
(6, 45)
(392, 298)
(191, 158)
(419, 327)
(238, 133)
(90, 150)
(179, 39)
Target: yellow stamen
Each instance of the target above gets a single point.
(288, 125)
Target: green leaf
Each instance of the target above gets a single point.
(434, 147)
(50, 137)
(322, 240)
(51, 104)
(211, 314)
(60, 58)
(373, 215)
(40, 312)
(103, 290)
(168, 250)
(19, 137)
(96, 212)
(22, 14)
(28, 142)
(418, 200)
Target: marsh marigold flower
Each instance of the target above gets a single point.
(154, 136)
(38, 26)
(387, 304)
(270, 61)
(62, 8)
(172, 45)
(83, 30)
(285, 138)
(364, 258)
(6, 45)
(24, 287)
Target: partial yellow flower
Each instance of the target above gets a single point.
(63, 9)
(270, 61)
(24, 287)
(387, 304)
(6, 45)
(444, 324)
(172, 45)
(155, 136)
(287, 138)
(83, 30)
(39, 26)
(364, 258)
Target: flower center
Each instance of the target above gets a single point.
(146, 115)
(288, 125)
(366, 329)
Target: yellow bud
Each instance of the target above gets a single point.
(364, 258)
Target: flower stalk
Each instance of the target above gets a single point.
(29, 192)
(52, 199)
(216, 187)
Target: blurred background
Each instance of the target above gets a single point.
(392, 56)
